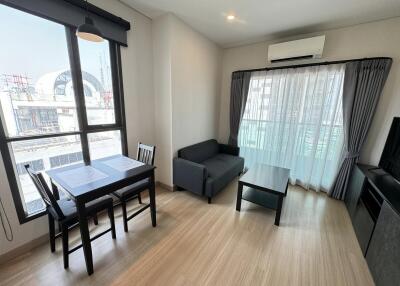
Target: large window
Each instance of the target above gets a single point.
(60, 101)
(103, 144)
(97, 82)
(293, 119)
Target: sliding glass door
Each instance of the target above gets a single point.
(293, 119)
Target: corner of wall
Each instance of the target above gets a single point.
(187, 78)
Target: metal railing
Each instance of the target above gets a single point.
(261, 135)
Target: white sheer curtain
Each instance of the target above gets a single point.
(293, 119)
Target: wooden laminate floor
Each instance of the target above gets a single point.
(200, 244)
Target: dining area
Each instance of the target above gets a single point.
(64, 135)
(80, 192)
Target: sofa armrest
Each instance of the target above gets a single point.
(229, 149)
(189, 175)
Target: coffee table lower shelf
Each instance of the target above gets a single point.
(264, 185)
(261, 198)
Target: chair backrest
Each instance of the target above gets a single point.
(146, 153)
(45, 193)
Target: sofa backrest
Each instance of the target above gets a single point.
(200, 151)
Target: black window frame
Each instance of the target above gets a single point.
(84, 127)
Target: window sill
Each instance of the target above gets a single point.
(31, 217)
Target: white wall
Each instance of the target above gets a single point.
(137, 64)
(374, 39)
(163, 101)
(192, 65)
(196, 72)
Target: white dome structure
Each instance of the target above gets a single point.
(58, 85)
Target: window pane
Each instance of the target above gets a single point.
(97, 82)
(104, 144)
(41, 155)
(36, 93)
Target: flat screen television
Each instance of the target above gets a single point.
(390, 159)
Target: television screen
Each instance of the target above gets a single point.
(390, 159)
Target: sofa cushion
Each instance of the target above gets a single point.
(200, 151)
(221, 169)
(220, 164)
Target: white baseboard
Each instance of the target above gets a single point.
(164, 186)
(6, 257)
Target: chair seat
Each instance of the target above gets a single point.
(132, 190)
(69, 210)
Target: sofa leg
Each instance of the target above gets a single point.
(209, 200)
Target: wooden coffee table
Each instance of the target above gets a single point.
(266, 186)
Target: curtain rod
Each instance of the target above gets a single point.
(100, 12)
(312, 64)
(24, 6)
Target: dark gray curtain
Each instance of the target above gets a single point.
(239, 91)
(362, 88)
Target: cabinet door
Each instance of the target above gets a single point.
(383, 255)
(363, 226)
(354, 189)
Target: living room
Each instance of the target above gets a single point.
(300, 104)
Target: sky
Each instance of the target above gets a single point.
(33, 46)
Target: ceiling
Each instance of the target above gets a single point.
(258, 20)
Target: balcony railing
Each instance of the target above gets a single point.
(315, 139)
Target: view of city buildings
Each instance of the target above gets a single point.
(48, 106)
(40, 99)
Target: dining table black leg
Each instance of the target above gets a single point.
(84, 228)
(278, 210)
(239, 197)
(152, 195)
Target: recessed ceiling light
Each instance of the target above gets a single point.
(230, 17)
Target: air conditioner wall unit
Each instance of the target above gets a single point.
(310, 48)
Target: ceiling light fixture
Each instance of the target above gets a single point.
(230, 17)
(88, 31)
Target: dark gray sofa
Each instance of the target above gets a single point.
(207, 167)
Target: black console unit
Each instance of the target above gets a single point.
(373, 202)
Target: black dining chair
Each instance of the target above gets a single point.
(64, 212)
(145, 154)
